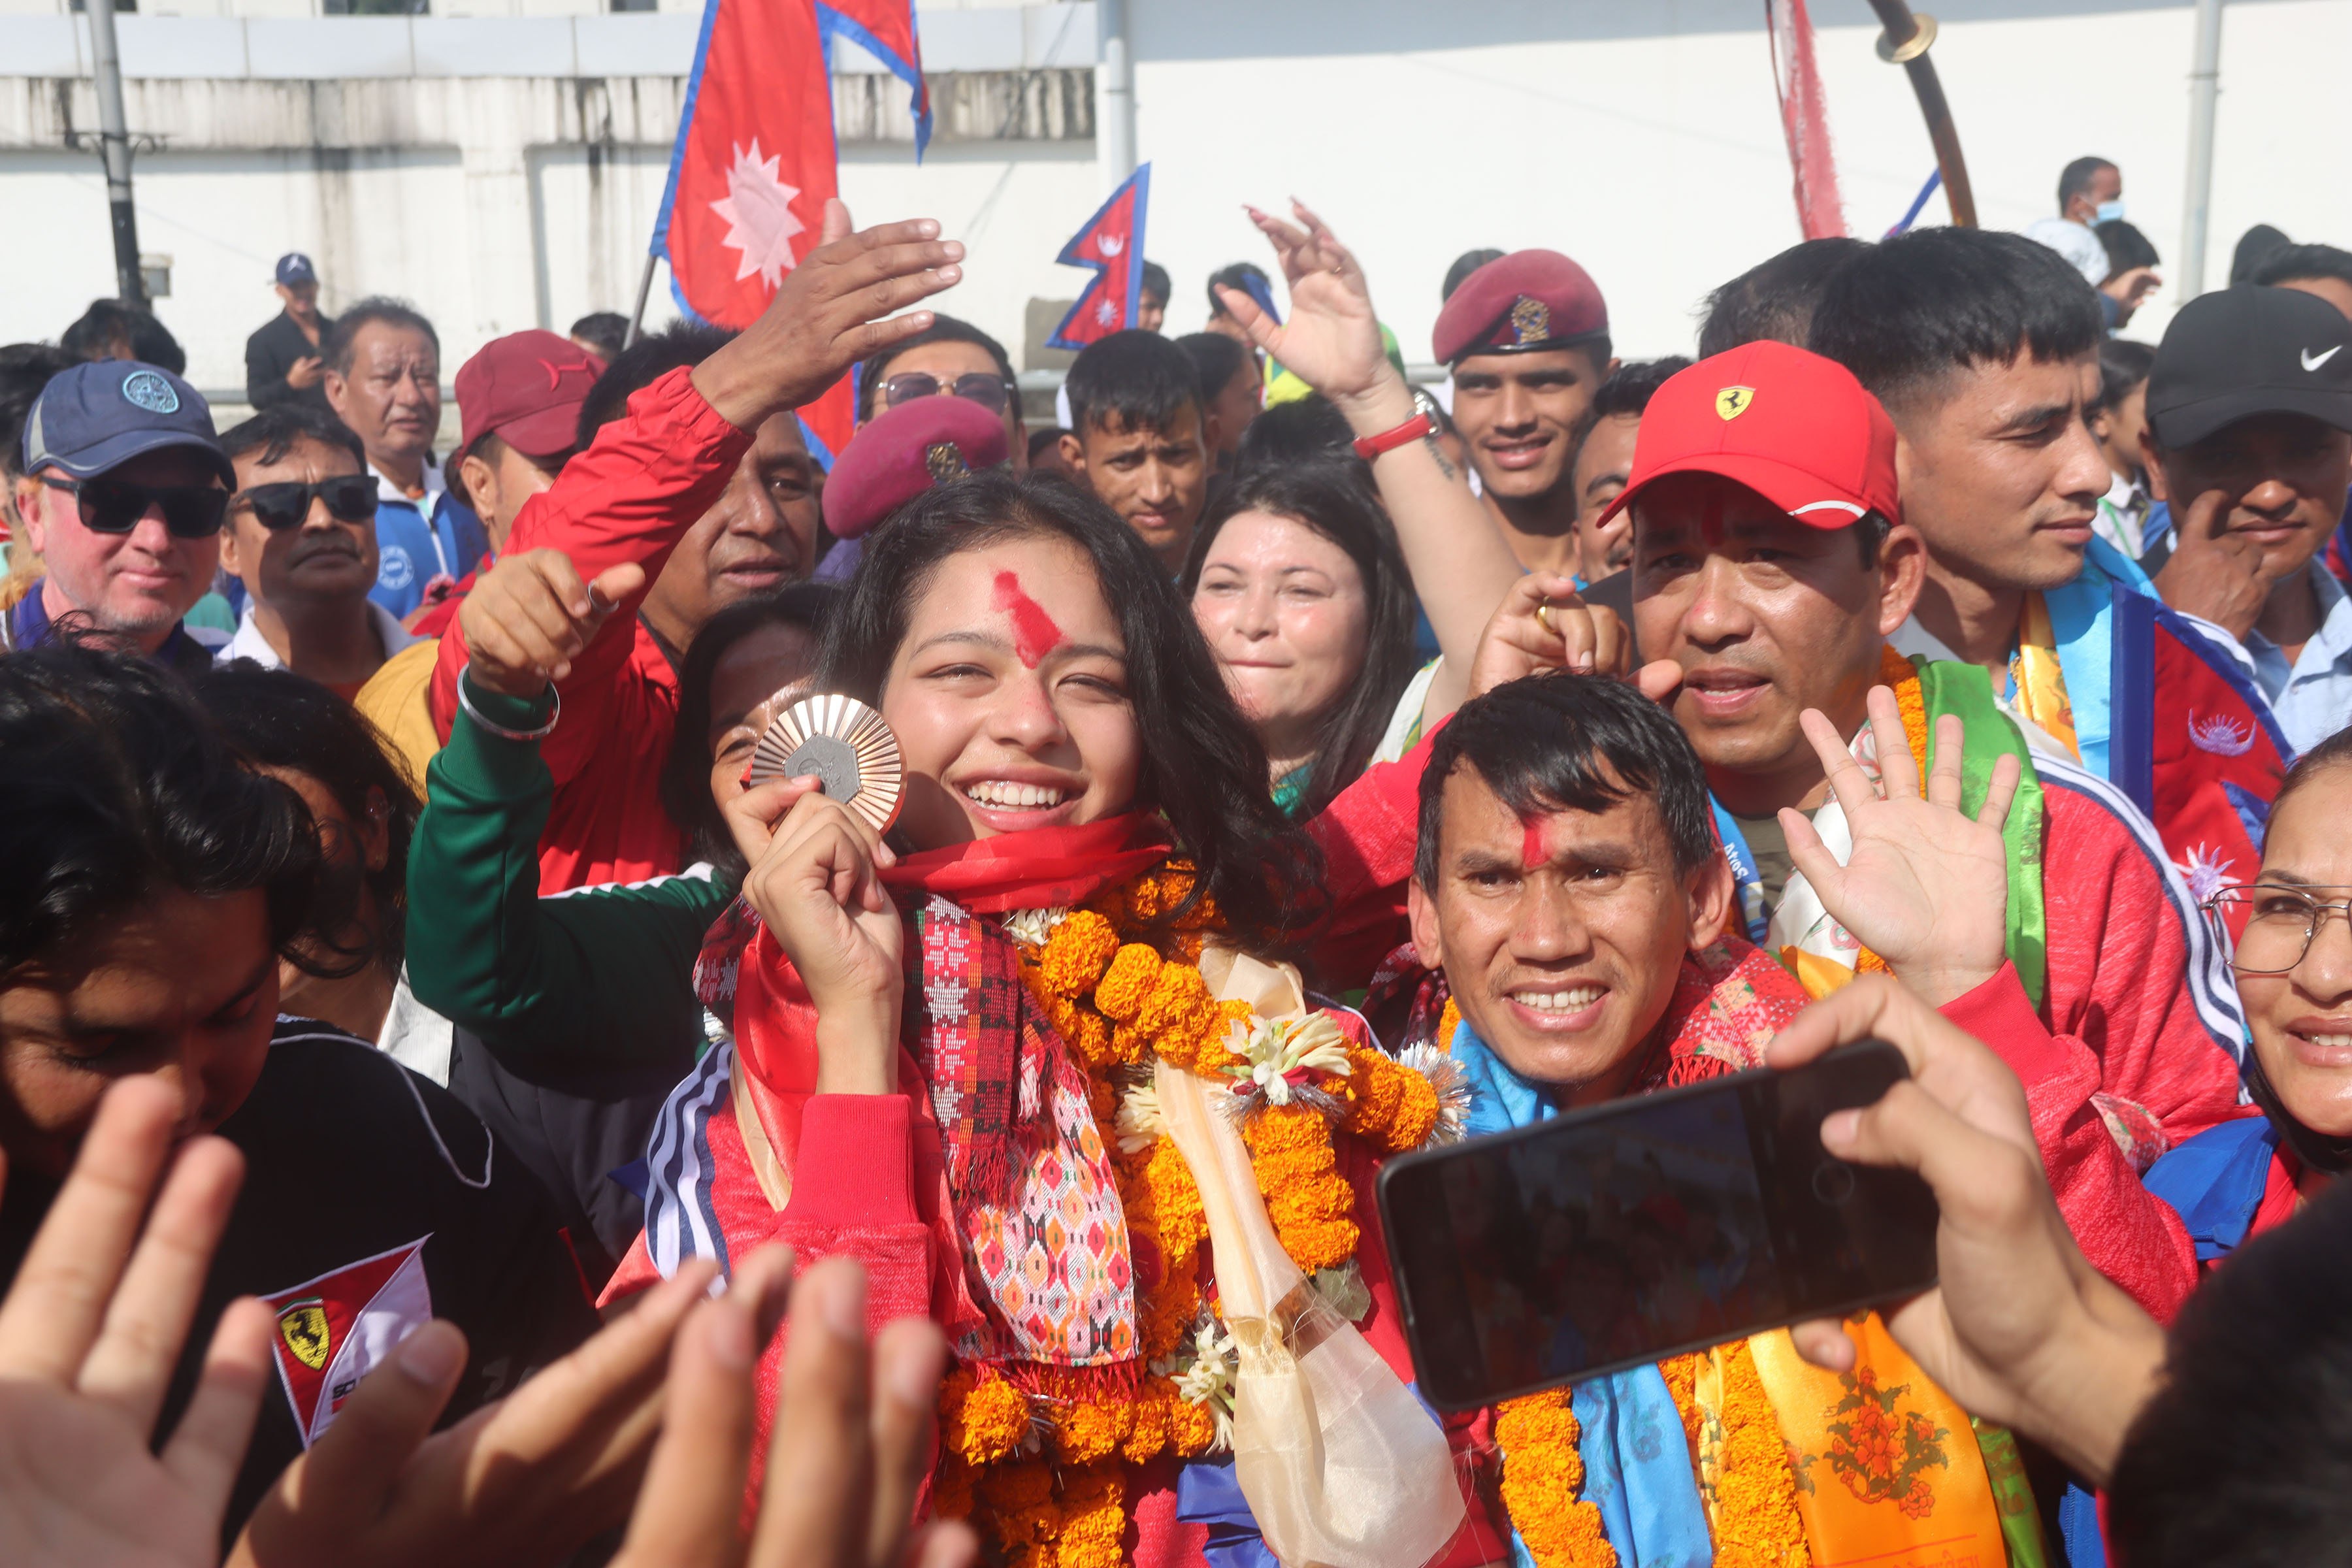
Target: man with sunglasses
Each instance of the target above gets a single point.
(948, 358)
(301, 537)
(123, 490)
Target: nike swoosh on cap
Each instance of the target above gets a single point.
(2313, 362)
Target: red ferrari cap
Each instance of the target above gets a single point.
(1795, 427)
(1526, 301)
(901, 452)
(526, 388)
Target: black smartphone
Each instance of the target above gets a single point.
(1646, 1227)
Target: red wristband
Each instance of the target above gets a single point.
(1370, 446)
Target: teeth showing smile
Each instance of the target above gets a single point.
(1000, 793)
(1568, 1001)
(2331, 1042)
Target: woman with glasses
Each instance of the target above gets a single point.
(2293, 956)
(300, 536)
(947, 359)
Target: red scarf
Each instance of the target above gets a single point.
(1042, 869)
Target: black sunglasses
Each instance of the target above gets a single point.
(115, 506)
(977, 386)
(349, 497)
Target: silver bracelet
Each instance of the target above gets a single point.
(501, 730)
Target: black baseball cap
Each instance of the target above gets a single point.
(100, 415)
(2250, 350)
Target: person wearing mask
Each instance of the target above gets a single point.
(300, 536)
(1141, 436)
(384, 380)
(947, 357)
(2249, 442)
(691, 490)
(2116, 424)
(284, 362)
(1604, 462)
(1151, 298)
(121, 494)
(1230, 389)
(1527, 340)
(2090, 193)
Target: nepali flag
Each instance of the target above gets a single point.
(1111, 242)
(754, 161)
(1805, 119)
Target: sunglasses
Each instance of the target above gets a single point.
(989, 391)
(115, 506)
(349, 497)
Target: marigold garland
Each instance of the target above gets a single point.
(1119, 1003)
(1740, 1457)
(1542, 1473)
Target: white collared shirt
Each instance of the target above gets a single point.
(250, 643)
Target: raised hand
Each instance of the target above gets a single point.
(531, 616)
(1332, 340)
(89, 1335)
(1927, 887)
(2212, 572)
(2019, 1327)
(850, 1442)
(828, 315)
(526, 1480)
(818, 886)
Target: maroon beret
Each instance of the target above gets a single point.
(1528, 300)
(904, 451)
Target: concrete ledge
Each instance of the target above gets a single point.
(643, 43)
(317, 48)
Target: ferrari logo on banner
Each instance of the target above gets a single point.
(754, 161)
(332, 1330)
(1111, 242)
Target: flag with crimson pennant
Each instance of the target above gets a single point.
(754, 161)
(1110, 242)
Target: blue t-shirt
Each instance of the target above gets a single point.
(410, 553)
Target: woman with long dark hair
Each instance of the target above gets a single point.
(987, 1052)
(1297, 584)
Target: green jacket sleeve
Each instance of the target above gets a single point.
(605, 973)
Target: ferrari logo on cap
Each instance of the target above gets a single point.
(1734, 401)
(303, 1327)
(1530, 322)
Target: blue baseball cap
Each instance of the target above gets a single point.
(100, 415)
(295, 268)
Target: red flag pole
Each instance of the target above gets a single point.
(1805, 120)
(1906, 43)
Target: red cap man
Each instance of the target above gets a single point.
(1770, 563)
(519, 408)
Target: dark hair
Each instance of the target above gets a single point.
(25, 370)
(1140, 379)
(1154, 283)
(1041, 439)
(1907, 312)
(1548, 742)
(1467, 263)
(109, 323)
(376, 307)
(1337, 500)
(1300, 430)
(2075, 178)
(280, 720)
(942, 330)
(686, 772)
(1216, 360)
(608, 330)
(152, 342)
(1238, 277)
(2127, 247)
(1774, 301)
(2123, 365)
(275, 432)
(2331, 753)
(2243, 1454)
(1204, 770)
(2293, 263)
(1628, 391)
(2254, 247)
(118, 784)
(641, 364)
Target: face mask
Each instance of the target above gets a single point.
(2109, 212)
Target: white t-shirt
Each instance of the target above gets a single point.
(2076, 242)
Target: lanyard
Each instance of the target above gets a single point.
(1744, 875)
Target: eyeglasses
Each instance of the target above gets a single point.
(2280, 924)
(115, 506)
(349, 497)
(991, 392)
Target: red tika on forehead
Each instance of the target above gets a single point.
(1532, 852)
(1035, 634)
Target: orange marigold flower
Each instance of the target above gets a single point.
(1372, 1088)
(1085, 1431)
(1093, 1516)
(1191, 1429)
(993, 1418)
(1177, 998)
(1149, 1434)
(1542, 1472)
(1128, 982)
(1281, 1126)
(1320, 1242)
(1077, 954)
(1416, 1114)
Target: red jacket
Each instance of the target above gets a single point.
(630, 497)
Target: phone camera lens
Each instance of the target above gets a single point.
(1833, 1181)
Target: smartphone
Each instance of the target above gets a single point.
(1648, 1226)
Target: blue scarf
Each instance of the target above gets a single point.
(2082, 617)
(1637, 1467)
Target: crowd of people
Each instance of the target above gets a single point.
(457, 1108)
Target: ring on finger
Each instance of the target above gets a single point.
(1543, 617)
